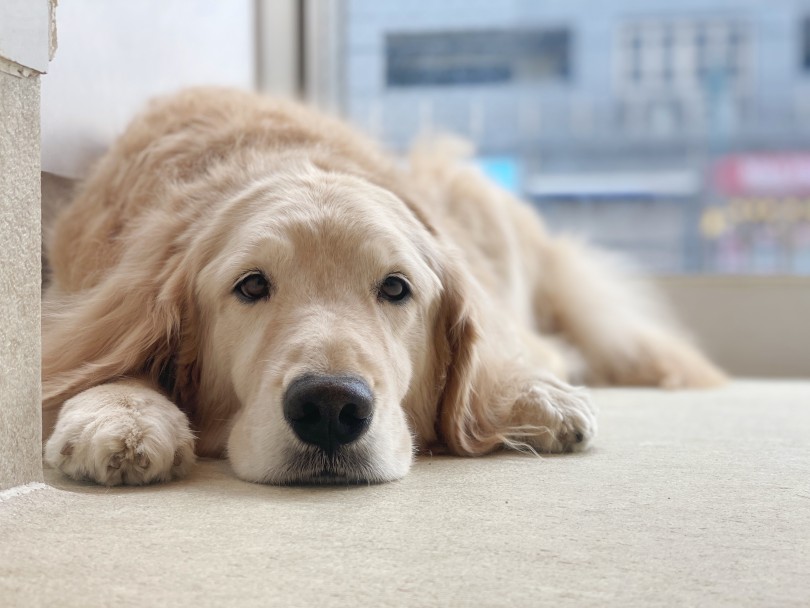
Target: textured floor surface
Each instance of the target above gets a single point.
(691, 498)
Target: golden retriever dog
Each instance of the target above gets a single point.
(246, 277)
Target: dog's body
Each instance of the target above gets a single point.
(246, 260)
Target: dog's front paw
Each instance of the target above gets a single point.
(557, 417)
(121, 433)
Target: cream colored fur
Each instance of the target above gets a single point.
(210, 184)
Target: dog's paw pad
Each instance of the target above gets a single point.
(116, 460)
(142, 460)
(131, 466)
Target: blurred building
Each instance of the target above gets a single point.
(678, 132)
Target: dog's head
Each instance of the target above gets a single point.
(314, 326)
(317, 304)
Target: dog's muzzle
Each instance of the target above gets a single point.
(328, 411)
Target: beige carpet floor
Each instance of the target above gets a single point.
(690, 498)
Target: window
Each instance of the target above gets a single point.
(476, 57)
(621, 123)
(681, 55)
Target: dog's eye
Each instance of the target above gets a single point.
(253, 287)
(394, 289)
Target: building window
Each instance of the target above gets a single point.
(684, 57)
(477, 57)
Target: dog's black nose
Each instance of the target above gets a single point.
(328, 411)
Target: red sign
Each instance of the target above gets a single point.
(772, 174)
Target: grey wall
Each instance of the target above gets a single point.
(20, 427)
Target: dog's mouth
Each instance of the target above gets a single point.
(311, 466)
(327, 477)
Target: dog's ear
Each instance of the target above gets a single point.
(466, 421)
(132, 323)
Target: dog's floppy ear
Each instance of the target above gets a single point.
(130, 323)
(466, 421)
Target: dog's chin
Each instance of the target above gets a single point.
(312, 466)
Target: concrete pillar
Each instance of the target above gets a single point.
(20, 389)
(27, 43)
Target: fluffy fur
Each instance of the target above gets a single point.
(148, 356)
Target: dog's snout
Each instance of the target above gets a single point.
(328, 411)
